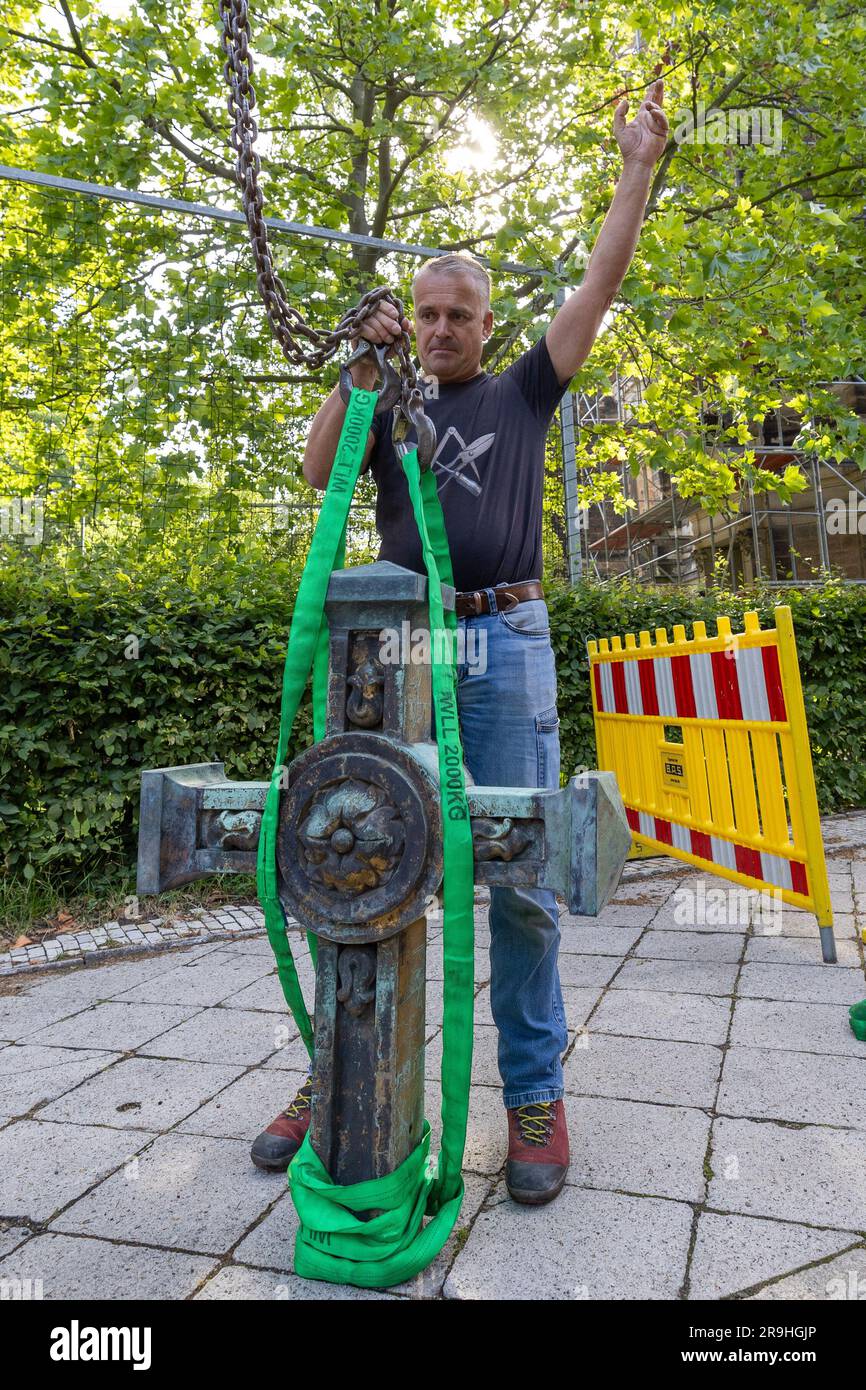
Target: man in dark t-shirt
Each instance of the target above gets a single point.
(488, 464)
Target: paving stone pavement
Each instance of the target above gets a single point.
(715, 1094)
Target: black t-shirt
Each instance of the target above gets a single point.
(489, 464)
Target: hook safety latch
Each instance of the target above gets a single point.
(391, 386)
(410, 411)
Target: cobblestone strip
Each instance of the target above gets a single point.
(113, 941)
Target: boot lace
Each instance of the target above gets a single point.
(301, 1101)
(535, 1122)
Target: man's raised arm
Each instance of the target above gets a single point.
(381, 327)
(642, 141)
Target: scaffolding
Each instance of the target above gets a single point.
(664, 538)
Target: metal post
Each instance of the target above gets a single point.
(821, 515)
(628, 524)
(676, 536)
(756, 541)
(788, 517)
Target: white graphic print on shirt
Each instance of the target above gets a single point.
(462, 463)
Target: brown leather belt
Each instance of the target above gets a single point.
(470, 605)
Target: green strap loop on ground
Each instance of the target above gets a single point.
(333, 1243)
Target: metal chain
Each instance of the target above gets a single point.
(287, 323)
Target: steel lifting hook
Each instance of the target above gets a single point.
(411, 412)
(425, 430)
(391, 388)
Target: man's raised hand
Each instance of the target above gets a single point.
(642, 141)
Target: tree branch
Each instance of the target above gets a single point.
(783, 188)
(661, 174)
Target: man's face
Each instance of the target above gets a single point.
(451, 324)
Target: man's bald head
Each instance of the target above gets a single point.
(459, 263)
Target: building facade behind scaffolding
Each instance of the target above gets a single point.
(665, 538)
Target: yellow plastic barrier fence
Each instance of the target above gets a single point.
(708, 740)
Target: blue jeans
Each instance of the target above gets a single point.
(510, 733)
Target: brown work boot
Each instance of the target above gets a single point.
(537, 1152)
(277, 1145)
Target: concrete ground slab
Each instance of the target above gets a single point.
(654, 1014)
(11, 1237)
(803, 1087)
(30, 1075)
(734, 1253)
(115, 1026)
(632, 1147)
(22, 1015)
(586, 1245)
(832, 984)
(598, 941)
(668, 1073)
(703, 947)
(586, 972)
(486, 1129)
(204, 982)
(187, 1192)
(813, 1175)
(267, 993)
(798, 950)
(141, 1093)
(245, 1107)
(44, 1166)
(795, 1027)
(232, 1036)
(677, 976)
(842, 1279)
(291, 1055)
(89, 984)
(485, 1071)
(76, 1267)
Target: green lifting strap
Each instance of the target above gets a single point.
(333, 1243)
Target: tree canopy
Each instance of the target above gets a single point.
(136, 372)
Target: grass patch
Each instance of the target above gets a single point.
(42, 908)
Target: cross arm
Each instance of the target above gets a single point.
(194, 822)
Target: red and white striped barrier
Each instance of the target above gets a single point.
(738, 683)
(733, 790)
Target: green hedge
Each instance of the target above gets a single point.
(81, 714)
